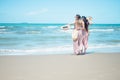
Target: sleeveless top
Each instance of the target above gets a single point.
(77, 25)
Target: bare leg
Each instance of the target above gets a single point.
(85, 50)
(85, 42)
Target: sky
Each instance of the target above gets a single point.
(58, 11)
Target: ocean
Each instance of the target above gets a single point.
(44, 39)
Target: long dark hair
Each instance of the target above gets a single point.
(78, 16)
(85, 22)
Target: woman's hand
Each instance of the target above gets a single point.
(66, 27)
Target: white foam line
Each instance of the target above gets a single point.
(54, 49)
(95, 30)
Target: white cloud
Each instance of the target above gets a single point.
(38, 12)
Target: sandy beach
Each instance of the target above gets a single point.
(61, 67)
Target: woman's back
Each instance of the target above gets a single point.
(78, 24)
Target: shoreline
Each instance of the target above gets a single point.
(96, 66)
(54, 54)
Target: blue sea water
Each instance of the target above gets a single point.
(42, 39)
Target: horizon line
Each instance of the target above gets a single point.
(45, 23)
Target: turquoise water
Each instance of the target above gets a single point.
(30, 39)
